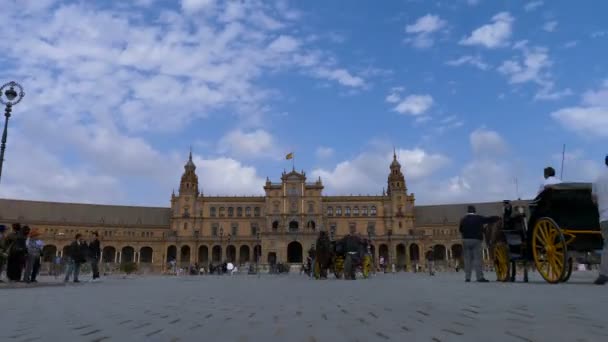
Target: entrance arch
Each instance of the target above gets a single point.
(48, 253)
(230, 253)
(414, 252)
(457, 251)
(294, 252)
(171, 253)
(203, 255)
(384, 252)
(244, 254)
(401, 257)
(216, 254)
(108, 255)
(145, 254)
(127, 254)
(439, 253)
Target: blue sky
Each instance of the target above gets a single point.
(473, 95)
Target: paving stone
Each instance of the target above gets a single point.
(386, 307)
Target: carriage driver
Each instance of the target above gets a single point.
(549, 179)
(600, 197)
(471, 228)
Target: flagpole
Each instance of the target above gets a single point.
(561, 173)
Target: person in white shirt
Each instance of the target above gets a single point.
(600, 197)
(550, 179)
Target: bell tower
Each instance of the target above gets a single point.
(396, 180)
(185, 207)
(189, 182)
(401, 204)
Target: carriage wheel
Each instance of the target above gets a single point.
(549, 250)
(501, 261)
(568, 272)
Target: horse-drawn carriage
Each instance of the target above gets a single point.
(563, 227)
(345, 263)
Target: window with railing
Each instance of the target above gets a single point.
(248, 211)
(256, 211)
(356, 211)
(373, 211)
(214, 229)
(338, 211)
(221, 211)
(235, 229)
(347, 211)
(212, 212)
(330, 211)
(239, 212)
(364, 211)
(254, 229)
(230, 212)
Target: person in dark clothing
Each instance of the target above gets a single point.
(95, 255)
(471, 228)
(77, 257)
(17, 251)
(323, 254)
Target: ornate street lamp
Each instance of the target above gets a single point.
(11, 97)
(258, 253)
(390, 246)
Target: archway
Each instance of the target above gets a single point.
(257, 253)
(145, 254)
(294, 252)
(311, 225)
(457, 251)
(414, 252)
(127, 254)
(231, 253)
(244, 254)
(293, 226)
(203, 255)
(384, 252)
(439, 253)
(48, 253)
(108, 255)
(272, 258)
(216, 254)
(401, 257)
(171, 253)
(184, 256)
(65, 252)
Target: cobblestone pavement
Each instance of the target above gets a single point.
(388, 307)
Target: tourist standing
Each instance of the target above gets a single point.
(471, 228)
(95, 255)
(76, 258)
(33, 255)
(16, 252)
(600, 197)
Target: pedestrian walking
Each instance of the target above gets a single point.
(600, 197)
(76, 258)
(3, 250)
(471, 228)
(16, 252)
(95, 256)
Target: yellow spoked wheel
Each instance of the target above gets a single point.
(316, 269)
(501, 261)
(339, 267)
(367, 266)
(549, 250)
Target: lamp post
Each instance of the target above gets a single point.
(258, 253)
(11, 98)
(221, 268)
(370, 236)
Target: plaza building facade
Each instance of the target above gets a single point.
(278, 227)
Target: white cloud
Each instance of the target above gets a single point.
(577, 168)
(532, 5)
(226, 176)
(475, 61)
(342, 76)
(550, 26)
(413, 104)
(590, 119)
(423, 30)
(492, 35)
(486, 142)
(193, 6)
(254, 144)
(367, 172)
(284, 44)
(324, 152)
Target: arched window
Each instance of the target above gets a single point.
(330, 211)
(256, 211)
(239, 212)
(212, 212)
(248, 211)
(347, 211)
(338, 211)
(373, 211)
(230, 212)
(365, 211)
(221, 211)
(356, 211)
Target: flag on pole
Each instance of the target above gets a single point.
(289, 156)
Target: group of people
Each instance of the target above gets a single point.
(21, 253)
(472, 227)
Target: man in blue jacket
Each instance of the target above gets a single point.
(471, 228)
